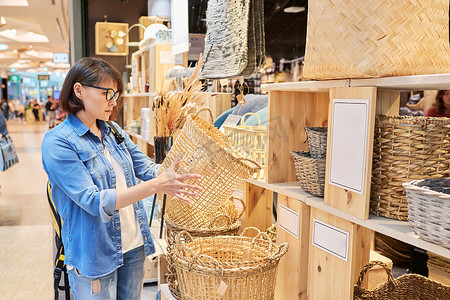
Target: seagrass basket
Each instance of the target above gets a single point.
(252, 139)
(202, 149)
(405, 287)
(429, 209)
(225, 222)
(310, 172)
(406, 148)
(365, 38)
(227, 267)
(317, 141)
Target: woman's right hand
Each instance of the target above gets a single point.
(171, 183)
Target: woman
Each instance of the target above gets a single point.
(96, 189)
(35, 106)
(441, 107)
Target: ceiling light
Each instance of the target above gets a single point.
(14, 3)
(294, 9)
(3, 46)
(2, 21)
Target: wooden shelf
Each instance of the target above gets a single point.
(399, 230)
(415, 82)
(139, 137)
(135, 95)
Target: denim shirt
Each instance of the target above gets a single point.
(83, 189)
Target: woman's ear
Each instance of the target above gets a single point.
(78, 90)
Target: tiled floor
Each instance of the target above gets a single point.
(26, 233)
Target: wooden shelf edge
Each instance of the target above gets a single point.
(139, 137)
(413, 82)
(399, 230)
(133, 95)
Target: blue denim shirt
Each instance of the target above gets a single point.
(83, 189)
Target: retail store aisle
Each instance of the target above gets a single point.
(26, 256)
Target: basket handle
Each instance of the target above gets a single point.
(359, 290)
(257, 165)
(200, 258)
(244, 207)
(282, 249)
(250, 228)
(218, 218)
(182, 233)
(264, 236)
(250, 114)
(209, 111)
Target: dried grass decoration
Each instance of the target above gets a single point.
(171, 107)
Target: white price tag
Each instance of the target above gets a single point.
(221, 290)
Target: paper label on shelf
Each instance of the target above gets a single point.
(134, 73)
(331, 239)
(166, 58)
(221, 290)
(231, 120)
(289, 220)
(238, 194)
(349, 134)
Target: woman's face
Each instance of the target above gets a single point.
(94, 99)
(446, 98)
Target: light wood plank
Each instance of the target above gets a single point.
(289, 113)
(292, 269)
(345, 200)
(259, 202)
(330, 277)
(217, 102)
(388, 102)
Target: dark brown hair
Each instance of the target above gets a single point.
(88, 70)
(439, 103)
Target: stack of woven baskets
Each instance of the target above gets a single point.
(310, 166)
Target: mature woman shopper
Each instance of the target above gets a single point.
(96, 189)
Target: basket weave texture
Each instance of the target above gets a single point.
(252, 139)
(317, 141)
(355, 39)
(225, 222)
(405, 287)
(203, 149)
(310, 172)
(429, 211)
(406, 148)
(246, 265)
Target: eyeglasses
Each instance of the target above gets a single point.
(447, 93)
(110, 94)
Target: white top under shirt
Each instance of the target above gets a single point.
(130, 233)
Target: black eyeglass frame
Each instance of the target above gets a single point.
(115, 94)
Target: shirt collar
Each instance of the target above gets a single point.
(81, 129)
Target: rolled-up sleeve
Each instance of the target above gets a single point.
(107, 204)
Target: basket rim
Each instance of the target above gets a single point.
(412, 186)
(175, 226)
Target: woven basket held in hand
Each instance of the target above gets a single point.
(225, 222)
(228, 267)
(429, 210)
(310, 172)
(405, 287)
(203, 149)
(366, 38)
(317, 141)
(406, 148)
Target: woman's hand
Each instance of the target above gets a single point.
(171, 183)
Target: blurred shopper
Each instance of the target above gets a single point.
(35, 108)
(5, 108)
(3, 127)
(17, 104)
(441, 107)
(105, 233)
(51, 107)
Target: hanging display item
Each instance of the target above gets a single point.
(111, 38)
(234, 43)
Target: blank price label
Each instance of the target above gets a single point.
(330, 239)
(289, 220)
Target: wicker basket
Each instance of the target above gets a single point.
(317, 141)
(310, 172)
(228, 267)
(406, 148)
(429, 210)
(250, 138)
(203, 149)
(272, 232)
(405, 287)
(354, 39)
(225, 222)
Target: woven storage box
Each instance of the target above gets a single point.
(203, 149)
(365, 38)
(250, 138)
(310, 172)
(406, 148)
(405, 287)
(317, 141)
(429, 210)
(228, 267)
(225, 222)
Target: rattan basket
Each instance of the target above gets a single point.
(203, 149)
(250, 138)
(225, 222)
(366, 38)
(429, 210)
(406, 148)
(405, 287)
(310, 172)
(227, 267)
(317, 141)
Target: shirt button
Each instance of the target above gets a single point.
(129, 184)
(140, 220)
(124, 166)
(110, 168)
(118, 247)
(117, 228)
(145, 238)
(112, 151)
(114, 187)
(101, 151)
